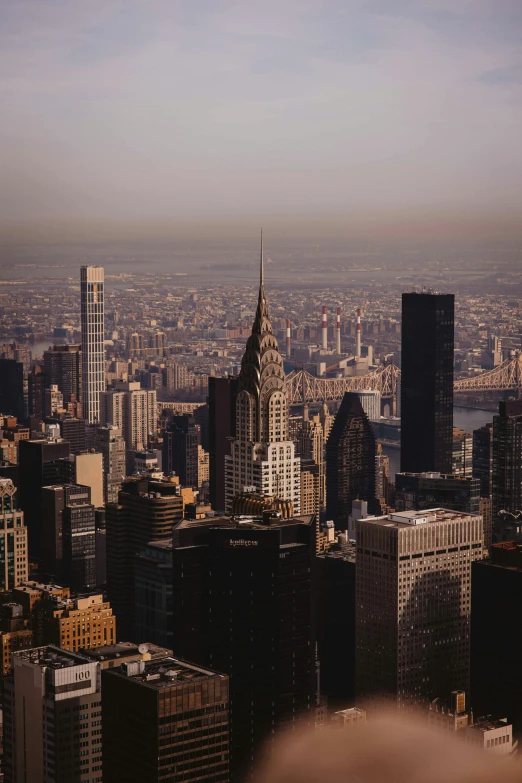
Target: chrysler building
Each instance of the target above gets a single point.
(262, 459)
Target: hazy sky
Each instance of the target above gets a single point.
(145, 109)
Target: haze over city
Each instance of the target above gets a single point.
(386, 117)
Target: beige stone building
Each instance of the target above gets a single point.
(413, 594)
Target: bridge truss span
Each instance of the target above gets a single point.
(300, 385)
(507, 376)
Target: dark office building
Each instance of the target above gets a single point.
(79, 544)
(12, 388)
(164, 720)
(507, 458)
(153, 591)
(39, 466)
(350, 462)
(180, 450)
(242, 604)
(427, 382)
(496, 634)
(74, 430)
(146, 512)
(36, 389)
(415, 491)
(222, 393)
(201, 417)
(68, 534)
(335, 612)
(483, 458)
(63, 367)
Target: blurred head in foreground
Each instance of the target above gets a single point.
(387, 749)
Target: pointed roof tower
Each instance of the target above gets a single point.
(262, 365)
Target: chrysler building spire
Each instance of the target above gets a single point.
(261, 454)
(262, 370)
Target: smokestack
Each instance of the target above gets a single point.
(338, 332)
(325, 330)
(358, 335)
(287, 338)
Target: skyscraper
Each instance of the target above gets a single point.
(415, 491)
(222, 394)
(40, 466)
(58, 503)
(52, 700)
(134, 411)
(146, 511)
(63, 368)
(153, 591)
(109, 441)
(242, 604)
(507, 458)
(79, 544)
(350, 462)
(13, 539)
(180, 449)
(413, 594)
(261, 454)
(427, 382)
(164, 720)
(496, 634)
(483, 458)
(93, 351)
(462, 453)
(36, 387)
(12, 388)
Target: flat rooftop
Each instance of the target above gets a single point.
(404, 519)
(163, 673)
(490, 724)
(123, 650)
(243, 522)
(51, 657)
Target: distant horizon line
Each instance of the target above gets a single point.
(436, 223)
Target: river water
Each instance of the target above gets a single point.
(468, 419)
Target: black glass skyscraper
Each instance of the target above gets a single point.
(506, 477)
(350, 462)
(427, 382)
(242, 604)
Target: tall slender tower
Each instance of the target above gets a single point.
(93, 354)
(427, 382)
(261, 454)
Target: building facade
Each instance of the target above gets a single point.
(483, 458)
(110, 443)
(413, 604)
(153, 591)
(165, 720)
(242, 604)
(427, 350)
(350, 462)
(133, 410)
(14, 568)
(261, 455)
(52, 700)
(415, 491)
(180, 449)
(63, 368)
(93, 348)
(496, 634)
(222, 393)
(462, 453)
(146, 511)
(506, 477)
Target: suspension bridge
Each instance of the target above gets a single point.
(300, 385)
